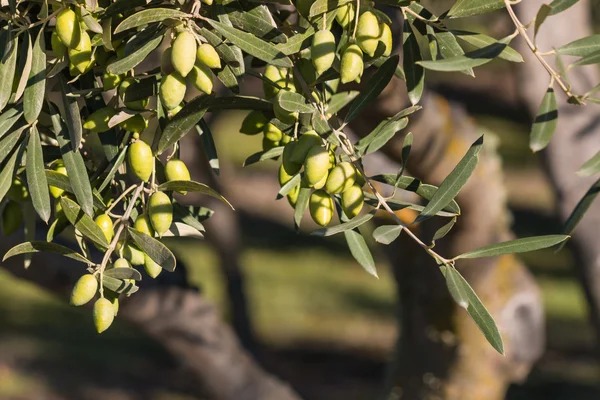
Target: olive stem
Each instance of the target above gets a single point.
(113, 244)
(118, 199)
(356, 16)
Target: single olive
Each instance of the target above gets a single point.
(207, 55)
(368, 32)
(201, 77)
(160, 211)
(341, 177)
(316, 165)
(142, 224)
(106, 226)
(151, 268)
(321, 207)
(104, 314)
(68, 28)
(183, 53)
(307, 140)
(84, 290)
(351, 65)
(12, 217)
(254, 123)
(60, 168)
(98, 120)
(172, 90)
(141, 160)
(353, 200)
(322, 50)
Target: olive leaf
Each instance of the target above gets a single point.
(191, 186)
(6, 175)
(581, 47)
(9, 117)
(455, 286)
(293, 102)
(591, 166)
(122, 65)
(289, 186)
(480, 40)
(119, 285)
(36, 178)
(123, 273)
(301, 206)
(44, 247)
(360, 251)
(33, 97)
(24, 61)
(469, 8)
(264, 155)
(343, 227)
(414, 73)
(7, 67)
(258, 21)
(545, 122)
(61, 181)
(72, 116)
(83, 222)
(515, 246)
(149, 16)
(158, 252)
(382, 134)
(208, 145)
(183, 122)
(386, 234)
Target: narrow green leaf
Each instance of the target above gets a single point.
(589, 59)
(455, 286)
(122, 65)
(515, 246)
(114, 168)
(444, 230)
(191, 186)
(289, 186)
(591, 166)
(62, 182)
(9, 142)
(540, 17)
(44, 247)
(297, 42)
(258, 21)
(74, 164)
(581, 207)
(33, 97)
(121, 6)
(149, 16)
(479, 40)
(545, 122)
(351, 224)
(7, 68)
(183, 122)
(24, 60)
(382, 134)
(373, 88)
(264, 155)
(449, 47)
(406, 146)
(72, 116)
(322, 6)
(6, 175)
(301, 206)
(360, 251)
(472, 59)
(581, 47)
(453, 182)
(252, 45)
(158, 252)
(36, 178)
(414, 73)
(208, 145)
(83, 222)
(340, 100)
(294, 102)
(469, 8)
(119, 285)
(123, 273)
(559, 6)
(9, 117)
(191, 215)
(386, 234)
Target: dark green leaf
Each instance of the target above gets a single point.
(289, 185)
(118, 285)
(380, 136)
(158, 252)
(591, 166)
(191, 215)
(297, 42)
(114, 168)
(149, 16)
(444, 230)
(24, 60)
(386, 234)
(9, 117)
(406, 146)
(264, 155)
(183, 122)
(581, 207)
(373, 88)
(90, 21)
(6, 175)
(581, 47)
(33, 97)
(541, 16)
(191, 186)
(122, 65)
(453, 182)
(515, 246)
(82, 222)
(292, 101)
(258, 21)
(340, 100)
(360, 251)
(561, 5)
(123, 273)
(36, 178)
(545, 122)
(44, 247)
(346, 226)
(589, 59)
(208, 145)
(72, 117)
(455, 286)
(7, 67)
(469, 60)
(479, 40)
(469, 8)
(8, 143)
(301, 206)
(252, 45)
(414, 73)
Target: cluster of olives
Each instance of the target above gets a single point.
(155, 219)
(70, 38)
(183, 62)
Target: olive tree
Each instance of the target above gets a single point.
(90, 131)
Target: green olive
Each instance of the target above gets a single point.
(368, 32)
(135, 124)
(18, 192)
(58, 47)
(351, 65)
(345, 15)
(293, 196)
(160, 211)
(385, 40)
(141, 160)
(201, 77)
(183, 54)
(285, 116)
(166, 67)
(136, 105)
(98, 120)
(290, 166)
(353, 200)
(110, 81)
(142, 224)
(321, 207)
(81, 57)
(151, 268)
(106, 226)
(274, 74)
(341, 177)
(121, 263)
(60, 168)
(254, 123)
(272, 133)
(316, 165)
(207, 55)
(84, 290)
(308, 140)
(176, 170)
(172, 90)
(68, 28)
(303, 7)
(12, 217)
(134, 255)
(322, 50)
(268, 144)
(104, 314)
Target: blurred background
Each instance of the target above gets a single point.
(322, 324)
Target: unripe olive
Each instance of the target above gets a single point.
(142, 224)
(176, 170)
(269, 144)
(303, 7)
(121, 263)
(284, 177)
(367, 33)
(272, 133)
(141, 160)
(110, 81)
(274, 74)
(104, 314)
(18, 191)
(290, 166)
(307, 70)
(151, 268)
(207, 55)
(345, 15)
(341, 177)
(353, 200)
(385, 40)
(207, 2)
(136, 105)
(160, 211)
(12, 218)
(285, 116)
(106, 226)
(322, 182)
(68, 28)
(316, 165)
(134, 255)
(172, 90)
(254, 123)
(135, 124)
(58, 47)
(293, 196)
(322, 50)
(114, 299)
(81, 57)
(98, 120)
(351, 65)
(321, 207)
(166, 67)
(202, 78)
(183, 53)
(54, 191)
(307, 141)
(285, 139)
(84, 290)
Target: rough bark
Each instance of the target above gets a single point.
(577, 138)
